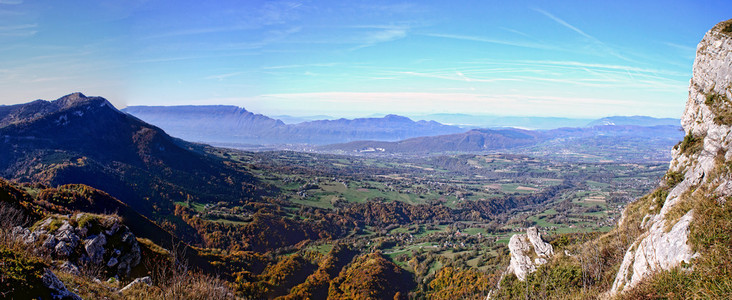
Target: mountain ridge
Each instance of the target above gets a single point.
(225, 124)
(514, 139)
(634, 120)
(79, 139)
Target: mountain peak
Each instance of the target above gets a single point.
(71, 98)
(79, 99)
(397, 118)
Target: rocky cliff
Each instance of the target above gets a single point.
(523, 248)
(700, 168)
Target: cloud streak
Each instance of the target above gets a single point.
(493, 41)
(604, 47)
(565, 24)
(21, 30)
(383, 35)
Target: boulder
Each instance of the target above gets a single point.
(94, 247)
(528, 251)
(57, 287)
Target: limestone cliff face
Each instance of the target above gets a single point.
(700, 159)
(521, 246)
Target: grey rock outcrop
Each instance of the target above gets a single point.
(94, 247)
(107, 243)
(57, 287)
(705, 119)
(522, 246)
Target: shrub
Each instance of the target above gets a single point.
(20, 276)
(673, 178)
(691, 144)
(720, 106)
(557, 280)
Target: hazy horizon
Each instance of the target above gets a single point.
(573, 59)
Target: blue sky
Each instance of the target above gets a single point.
(356, 58)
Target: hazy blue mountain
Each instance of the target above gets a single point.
(475, 140)
(626, 142)
(388, 128)
(210, 124)
(635, 120)
(232, 125)
(287, 119)
(482, 121)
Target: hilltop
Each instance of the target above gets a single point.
(78, 139)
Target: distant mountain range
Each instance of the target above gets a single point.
(635, 120)
(539, 123)
(232, 125)
(621, 142)
(235, 126)
(472, 141)
(477, 121)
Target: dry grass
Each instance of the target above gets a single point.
(183, 286)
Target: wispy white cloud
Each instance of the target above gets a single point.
(516, 32)
(300, 66)
(680, 47)
(576, 64)
(19, 30)
(11, 2)
(395, 8)
(278, 12)
(493, 41)
(48, 79)
(455, 76)
(604, 47)
(223, 76)
(270, 14)
(686, 51)
(565, 24)
(382, 35)
(270, 37)
(196, 31)
(5, 12)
